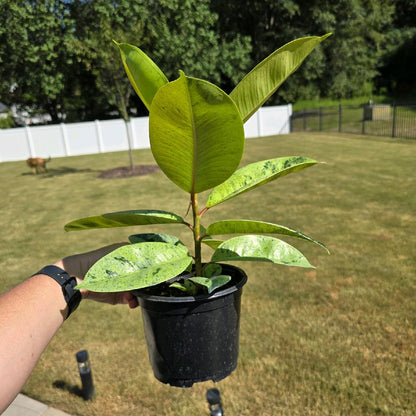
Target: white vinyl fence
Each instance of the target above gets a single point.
(73, 139)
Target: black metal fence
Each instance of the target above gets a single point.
(376, 119)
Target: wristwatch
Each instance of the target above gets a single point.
(72, 296)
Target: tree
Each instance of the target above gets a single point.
(178, 35)
(345, 66)
(98, 23)
(398, 63)
(184, 34)
(34, 60)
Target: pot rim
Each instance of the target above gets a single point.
(242, 279)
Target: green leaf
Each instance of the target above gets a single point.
(262, 81)
(124, 219)
(136, 266)
(251, 227)
(185, 286)
(259, 248)
(211, 242)
(145, 76)
(88, 223)
(144, 217)
(211, 269)
(153, 237)
(211, 283)
(256, 174)
(196, 133)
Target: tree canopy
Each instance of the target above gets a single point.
(58, 56)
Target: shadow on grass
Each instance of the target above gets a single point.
(63, 385)
(59, 172)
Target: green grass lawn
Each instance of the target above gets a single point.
(336, 340)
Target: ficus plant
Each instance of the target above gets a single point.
(197, 139)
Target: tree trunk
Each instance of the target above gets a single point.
(129, 139)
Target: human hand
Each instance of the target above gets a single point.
(77, 265)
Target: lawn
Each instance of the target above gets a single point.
(335, 340)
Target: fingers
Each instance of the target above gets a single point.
(126, 298)
(131, 300)
(78, 264)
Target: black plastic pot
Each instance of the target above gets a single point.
(192, 339)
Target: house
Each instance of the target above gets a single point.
(4, 111)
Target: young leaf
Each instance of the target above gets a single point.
(211, 269)
(136, 266)
(212, 283)
(256, 227)
(144, 75)
(261, 82)
(259, 248)
(186, 286)
(211, 242)
(196, 133)
(124, 219)
(256, 174)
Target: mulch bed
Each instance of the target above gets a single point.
(127, 172)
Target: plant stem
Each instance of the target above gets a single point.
(197, 234)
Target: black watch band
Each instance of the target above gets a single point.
(72, 296)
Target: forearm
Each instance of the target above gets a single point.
(31, 313)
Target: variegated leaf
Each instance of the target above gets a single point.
(259, 248)
(136, 266)
(257, 174)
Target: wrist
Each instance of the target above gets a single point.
(71, 295)
(84, 292)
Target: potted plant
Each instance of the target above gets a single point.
(191, 309)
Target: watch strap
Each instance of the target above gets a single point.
(72, 296)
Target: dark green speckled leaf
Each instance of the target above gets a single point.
(259, 248)
(256, 174)
(136, 266)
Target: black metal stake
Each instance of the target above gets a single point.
(214, 401)
(86, 375)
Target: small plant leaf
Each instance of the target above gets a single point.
(256, 227)
(259, 248)
(136, 266)
(186, 286)
(211, 242)
(263, 80)
(256, 174)
(124, 219)
(211, 269)
(196, 133)
(212, 283)
(144, 75)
